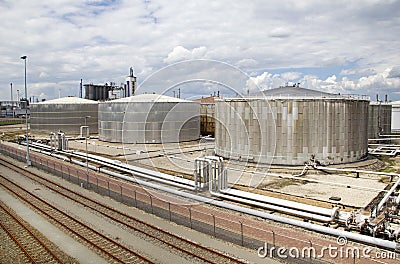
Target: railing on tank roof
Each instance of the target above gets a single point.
(304, 96)
(357, 96)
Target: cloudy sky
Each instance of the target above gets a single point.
(345, 46)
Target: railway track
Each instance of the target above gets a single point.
(35, 248)
(112, 250)
(187, 247)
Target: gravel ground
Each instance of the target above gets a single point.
(350, 196)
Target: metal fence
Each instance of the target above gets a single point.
(194, 217)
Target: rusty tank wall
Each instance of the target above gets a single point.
(292, 131)
(207, 119)
(66, 115)
(380, 119)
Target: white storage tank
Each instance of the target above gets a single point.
(395, 116)
(64, 114)
(149, 118)
(291, 125)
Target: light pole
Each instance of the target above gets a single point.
(12, 101)
(28, 159)
(87, 158)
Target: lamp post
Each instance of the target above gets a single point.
(12, 101)
(87, 156)
(28, 159)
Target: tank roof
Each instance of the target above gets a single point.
(381, 103)
(68, 100)
(150, 98)
(395, 103)
(295, 92)
(289, 91)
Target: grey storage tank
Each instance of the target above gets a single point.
(291, 125)
(380, 119)
(149, 118)
(64, 114)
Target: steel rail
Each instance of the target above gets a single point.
(45, 181)
(75, 232)
(54, 256)
(18, 243)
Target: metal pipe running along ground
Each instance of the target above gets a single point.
(272, 203)
(135, 171)
(145, 173)
(309, 212)
(310, 226)
(388, 193)
(314, 227)
(300, 209)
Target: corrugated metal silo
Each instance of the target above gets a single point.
(291, 125)
(149, 118)
(66, 114)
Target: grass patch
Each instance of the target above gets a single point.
(389, 169)
(9, 122)
(389, 162)
(11, 136)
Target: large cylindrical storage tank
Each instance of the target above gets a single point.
(380, 119)
(395, 116)
(149, 118)
(66, 114)
(290, 126)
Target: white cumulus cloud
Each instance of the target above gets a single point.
(382, 82)
(180, 53)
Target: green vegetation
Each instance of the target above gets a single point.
(389, 169)
(11, 121)
(10, 136)
(387, 160)
(390, 163)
